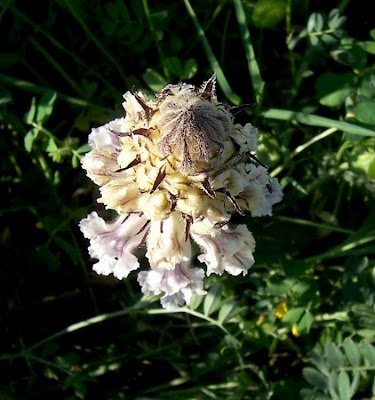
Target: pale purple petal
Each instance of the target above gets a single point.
(113, 243)
(166, 242)
(178, 285)
(225, 249)
(274, 192)
(106, 137)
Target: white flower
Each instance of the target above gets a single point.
(176, 168)
(114, 243)
(105, 137)
(225, 249)
(178, 284)
(274, 191)
(167, 243)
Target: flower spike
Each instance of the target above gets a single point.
(175, 169)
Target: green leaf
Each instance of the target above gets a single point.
(301, 287)
(51, 147)
(353, 56)
(80, 389)
(29, 117)
(154, 80)
(372, 33)
(293, 315)
(362, 156)
(227, 310)
(352, 352)
(174, 66)
(83, 149)
(366, 315)
(365, 112)
(30, 138)
(75, 161)
(315, 23)
(369, 46)
(367, 84)
(320, 363)
(329, 39)
(333, 385)
(190, 69)
(268, 13)
(315, 378)
(334, 355)
(355, 383)
(45, 106)
(332, 89)
(335, 21)
(368, 352)
(277, 288)
(195, 301)
(314, 41)
(212, 300)
(305, 323)
(344, 386)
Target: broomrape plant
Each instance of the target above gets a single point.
(176, 167)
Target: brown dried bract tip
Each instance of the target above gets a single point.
(192, 124)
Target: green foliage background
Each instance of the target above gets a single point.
(301, 324)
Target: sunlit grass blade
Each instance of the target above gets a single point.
(221, 79)
(312, 224)
(349, 247)
(94, 39)
(256, 79)
(316, 120)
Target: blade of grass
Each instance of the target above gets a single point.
(344, 249)
(301, 148)
(154, 36)
(93, 38)
(256, 79)
(221, 79)
(38, 28)
(318, 225)
(55, 64)
(316, 120)
(289, 33)
(33, 88)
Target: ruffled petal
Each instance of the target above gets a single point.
(106, 137)
(178, 285)
(113, 243)
(166, 243)
(224, 249)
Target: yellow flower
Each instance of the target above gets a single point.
(281, 309)
(176, 167)
(295, 331)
